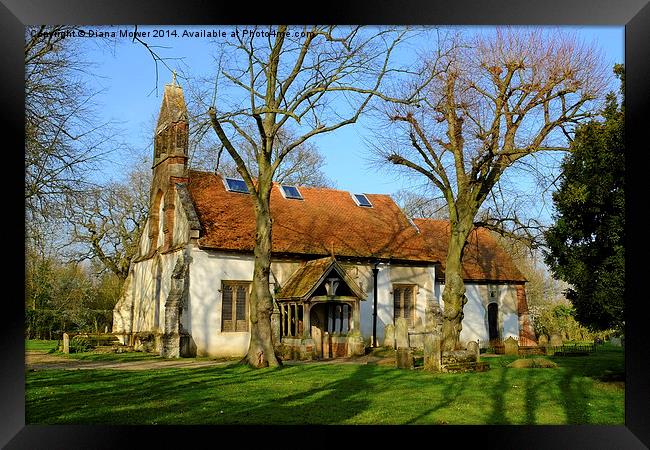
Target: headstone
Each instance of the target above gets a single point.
(511, 346)
(389, 336)
(615, 341)
(556, 340)
(404, 358)
(472, 346)
(356, 346)
(66, 343)
(415, 340)
(402, 333)
(275, 325)
(543, 340)
(432, 352)
(433, 317)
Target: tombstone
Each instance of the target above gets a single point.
(472, 346)
(556, 340)
(275, 325)
(511, 346)
(389, 336)
(402, 333)
(543, 340)
(66, 343)
(433, 317)
(432, 361)
(404, 358)
(615, 341)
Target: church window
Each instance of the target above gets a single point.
(234, 308)
(404, 302)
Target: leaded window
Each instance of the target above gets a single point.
(234, 308)
(404, 302)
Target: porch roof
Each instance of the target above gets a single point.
(304, 281)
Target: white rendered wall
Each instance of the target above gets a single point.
(143, 285)
(422, 277)
(207, 271)
(475, 320)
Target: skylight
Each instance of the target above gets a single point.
(362, 200)
(290, 192)
(236, 185)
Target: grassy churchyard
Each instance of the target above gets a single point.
(581, 390)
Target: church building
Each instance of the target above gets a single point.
(333, 251)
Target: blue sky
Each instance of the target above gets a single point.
(128, 79)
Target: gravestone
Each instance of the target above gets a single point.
(404, 358)
(275, 326)
(615, 341)
(402, 333)
(556, 340)
(389, 336)
(432, 352)
(472, 346)
(415, 340)
(66, 343)
(543, 340)
(432, 337)
(511, 346)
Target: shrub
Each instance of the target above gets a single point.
(80, 344)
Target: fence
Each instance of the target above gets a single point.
(497, 347)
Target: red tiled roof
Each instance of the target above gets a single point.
(329, 220)
(483, 260)
(326, 220)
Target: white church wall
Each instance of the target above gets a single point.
(144, 291)
(203, 322)
(144, 239)
(422, 277)
(475, 320)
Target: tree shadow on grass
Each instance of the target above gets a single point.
(498, 414)
(225, 396)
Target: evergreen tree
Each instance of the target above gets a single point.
(586, 243)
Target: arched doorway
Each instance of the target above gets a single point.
(493, 321)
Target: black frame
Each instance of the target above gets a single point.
(633, 14)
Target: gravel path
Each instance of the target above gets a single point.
(39, 360)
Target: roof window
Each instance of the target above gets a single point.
(290, 192)
(362, 200)
(236, 185)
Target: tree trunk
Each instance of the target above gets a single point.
(260, 350)
(453, 296)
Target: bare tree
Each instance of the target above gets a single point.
(491, 100)
(416, 204)
(303, 166)
(62, 140)
(304, 82)
(106, 222)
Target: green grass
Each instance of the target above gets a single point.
(42, 346)
(582, 390)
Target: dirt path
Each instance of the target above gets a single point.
(40, 360)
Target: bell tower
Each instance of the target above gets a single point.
(169, 166)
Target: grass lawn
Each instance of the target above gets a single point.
(42, 346)
(582, 390)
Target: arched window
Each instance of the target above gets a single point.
(157, 222)
(161, 224)
(157, 294)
